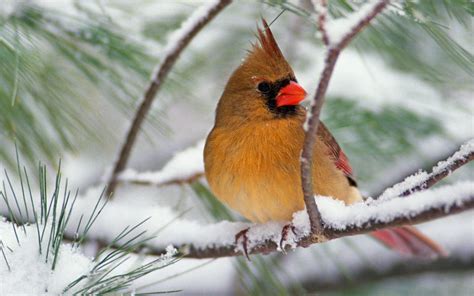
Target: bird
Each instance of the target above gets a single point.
(252, 154)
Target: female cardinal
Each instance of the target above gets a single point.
(252, 154)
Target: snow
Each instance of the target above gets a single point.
(464, 151)
(337, 29)
(29, 273)
(177, 37)
(182, 166)
(338, 216)
(421, 177)
(7, 8)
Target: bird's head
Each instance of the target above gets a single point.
(263, 87)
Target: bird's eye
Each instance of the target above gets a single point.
(263, 87)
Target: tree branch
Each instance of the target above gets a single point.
(334, 49)
(268, 246)
(321, 8)
(362, 276)
(189, 29)
(422, 180)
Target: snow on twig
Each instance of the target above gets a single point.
(340, 29)
(177, 43)
(185, 167)
(321, 8)
(423, 180)
(354, 25)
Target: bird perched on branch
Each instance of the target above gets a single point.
(252, 154)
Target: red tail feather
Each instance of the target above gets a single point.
(408, 240)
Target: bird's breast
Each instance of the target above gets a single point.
(255, 169)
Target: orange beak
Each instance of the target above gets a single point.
(291, 94)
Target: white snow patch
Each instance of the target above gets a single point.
(7, 8)
(339, 28)
(29, 273)
(339, 216)
(184, 165)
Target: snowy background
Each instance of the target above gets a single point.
(71, 73)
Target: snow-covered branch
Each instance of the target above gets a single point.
(185, 167)
(423, 180)
(217, 240)
(348, 28)
(321, 8)
(178, 42)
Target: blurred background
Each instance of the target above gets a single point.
(401, 98)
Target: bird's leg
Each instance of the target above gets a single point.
(243, 234)
(284, 234)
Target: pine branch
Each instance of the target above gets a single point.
(188, 31)
(311, 126)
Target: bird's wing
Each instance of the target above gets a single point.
(335, 152)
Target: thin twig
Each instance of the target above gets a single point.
(422, 180)
(190, 29)
(313, 118)
(438, 174)
(321, 8)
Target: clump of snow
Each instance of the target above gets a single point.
(336, 215)
(29, 273)
(421, 177)
(184, 165)
(462, 153)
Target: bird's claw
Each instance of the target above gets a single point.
(243, 234)
(284, 235)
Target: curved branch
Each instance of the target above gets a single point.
(313, 117)
(198, 20)
(329, 232)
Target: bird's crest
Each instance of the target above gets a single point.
(265, 56)
(267, 42)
